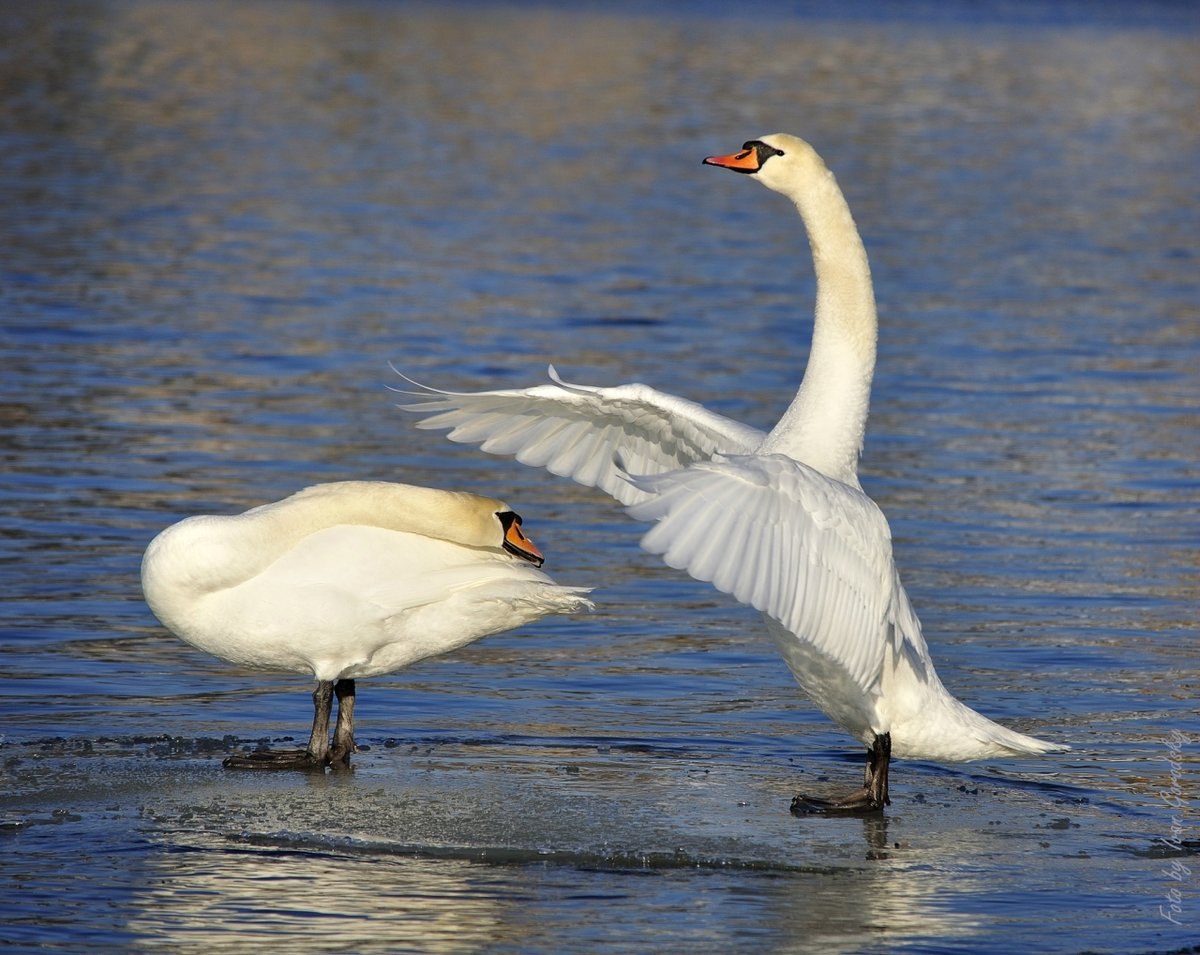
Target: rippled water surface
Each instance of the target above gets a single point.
(221, 222)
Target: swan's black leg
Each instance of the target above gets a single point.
(318, 740)
(873, 795)
(343, 732)
(878, 762)
(315, 757)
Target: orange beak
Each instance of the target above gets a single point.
(515, 542)
(745, 161)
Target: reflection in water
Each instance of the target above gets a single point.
(320, 900)
(367, 891)
(308, 900)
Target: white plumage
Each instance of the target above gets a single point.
(346, 580)
(577, 431)
(778, 520)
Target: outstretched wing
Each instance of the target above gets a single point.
(581, 432)
(810, 552)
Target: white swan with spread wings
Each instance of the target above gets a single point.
(779, 519)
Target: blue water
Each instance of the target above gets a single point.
(220, 223)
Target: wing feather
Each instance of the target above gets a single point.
(581, 431)
(810, 552)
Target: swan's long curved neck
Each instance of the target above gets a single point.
(825, 423)
(213, 553)
(447, 515)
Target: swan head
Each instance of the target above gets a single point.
(779, 161)
(515, 541)
(458, 516)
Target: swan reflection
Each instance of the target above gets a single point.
(208, 900)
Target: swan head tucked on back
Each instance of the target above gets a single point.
(353, 578)
(460, 517)
(210, 553)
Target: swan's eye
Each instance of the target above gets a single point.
(763, 150)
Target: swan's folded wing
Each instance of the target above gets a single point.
(810, 552)
(580, 431)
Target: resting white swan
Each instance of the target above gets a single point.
(779, 520)
(346, 580)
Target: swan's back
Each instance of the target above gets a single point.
(278, 587)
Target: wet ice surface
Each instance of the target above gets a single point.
(218, 232)
(499, 841)
(526, 843)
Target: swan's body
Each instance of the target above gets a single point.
(346, 580)
(779, 520)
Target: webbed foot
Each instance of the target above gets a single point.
(856, 803)
(300, 759)
(873, 795)
(320, 753)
